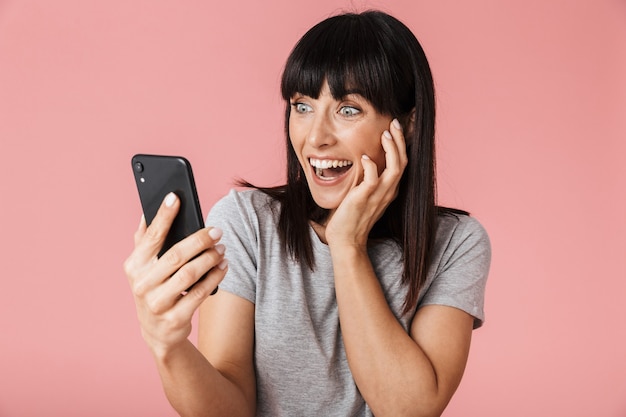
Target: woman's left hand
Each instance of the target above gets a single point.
(364, 204)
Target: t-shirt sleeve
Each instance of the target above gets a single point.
(461, 275)
(234, 215)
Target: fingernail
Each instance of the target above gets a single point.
(396, 124)
(222, 265)
(387, 135)
(220, 249)
(215, 233)
(365, 157)
(169, 199)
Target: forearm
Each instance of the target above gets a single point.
(195, 388)
(391, 370)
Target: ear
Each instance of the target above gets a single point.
(408, 123)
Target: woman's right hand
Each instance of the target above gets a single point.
(164, 307)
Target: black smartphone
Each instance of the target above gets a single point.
(158, 175)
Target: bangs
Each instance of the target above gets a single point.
(354, 55)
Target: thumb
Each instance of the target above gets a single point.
(370, 170)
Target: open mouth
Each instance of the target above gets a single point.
(330, 169)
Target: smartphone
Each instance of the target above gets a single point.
(158, 175)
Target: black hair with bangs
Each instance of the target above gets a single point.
(352, 52)
(376, 55)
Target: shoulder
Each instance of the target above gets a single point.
(456, 229)
(461, 259)
(244, 202)
(243, 199)
(249, 211)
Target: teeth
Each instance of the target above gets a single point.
(327, 163)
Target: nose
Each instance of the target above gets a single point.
(321, 133)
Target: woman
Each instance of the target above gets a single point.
(348, 291)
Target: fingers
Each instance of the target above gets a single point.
(205, 288)
(146, 273)
(195, 269)
(395, 150)
(150, 240)
(210, 264)
(395, 158)
(185, 251)
(370, 171)
(399, 139)
(160, 285)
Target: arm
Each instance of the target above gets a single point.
(192, 384)
(226, 338)
(397, 373)
(217, 378)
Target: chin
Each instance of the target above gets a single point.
(328, 202)
(329, 198)
(325, 204)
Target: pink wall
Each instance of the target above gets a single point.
(532, 140)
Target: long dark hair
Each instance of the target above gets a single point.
(378, 55)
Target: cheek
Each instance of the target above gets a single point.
(294, 138)
(380, 164)
(296, 146)
(377, 154)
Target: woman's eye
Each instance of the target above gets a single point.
(349, 111)
(301, 107)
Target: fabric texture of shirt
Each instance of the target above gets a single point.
(300, 360)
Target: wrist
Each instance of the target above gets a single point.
(346, 246)
(165, 353)
(347, 253)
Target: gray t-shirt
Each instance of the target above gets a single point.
(300, 360)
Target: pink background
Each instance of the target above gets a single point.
(532, 140)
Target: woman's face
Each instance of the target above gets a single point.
(330, 136)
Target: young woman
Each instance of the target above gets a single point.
(347, 291)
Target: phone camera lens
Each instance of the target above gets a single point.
(138, 167)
